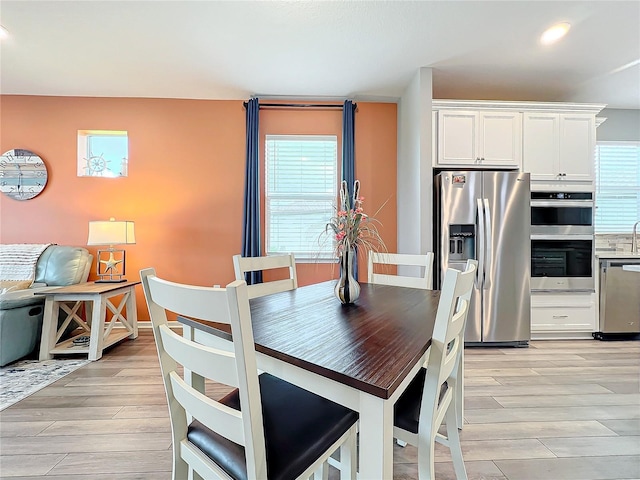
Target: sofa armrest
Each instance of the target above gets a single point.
(21, 298)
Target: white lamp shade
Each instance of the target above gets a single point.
(111, 232)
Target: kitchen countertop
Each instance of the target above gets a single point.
(619, 255)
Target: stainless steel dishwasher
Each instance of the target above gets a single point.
(619, 297)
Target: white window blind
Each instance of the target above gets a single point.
(617, 186)
(300, 194)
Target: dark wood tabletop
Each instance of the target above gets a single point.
(370, 345)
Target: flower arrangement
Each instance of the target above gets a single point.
(352, 227)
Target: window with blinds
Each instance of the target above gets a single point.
(617, 186)
(300, 194)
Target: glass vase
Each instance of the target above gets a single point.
(347, 289)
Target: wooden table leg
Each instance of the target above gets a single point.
(99, 311)
(376, 438)
(49, 328)
(132, 313)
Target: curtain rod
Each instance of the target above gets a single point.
(299, 105)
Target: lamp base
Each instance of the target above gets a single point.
(111, 269)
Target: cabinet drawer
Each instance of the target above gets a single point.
(556, 318)
(570, 313)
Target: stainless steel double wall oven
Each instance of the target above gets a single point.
(562, 241)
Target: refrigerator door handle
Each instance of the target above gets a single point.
(481, 246)
(487, 213)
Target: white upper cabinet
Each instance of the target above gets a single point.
(481, 139)
(541, 145)
(577, 146)
(559, 146)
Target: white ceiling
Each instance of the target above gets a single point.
(366, 50)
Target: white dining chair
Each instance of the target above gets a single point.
(242, 265)
(425, 262)
(265, 428)
(424, 280)
(457, 380)
(428, 401)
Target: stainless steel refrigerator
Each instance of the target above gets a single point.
(486, 215)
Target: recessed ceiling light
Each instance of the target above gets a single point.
(555, 33)
(3, 32)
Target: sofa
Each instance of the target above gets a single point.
(21, 310)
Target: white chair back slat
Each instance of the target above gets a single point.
(205, 303)
(250, 264)
(218, 417)
(218, 365)
(242, 265)
(424, 262)
(267, 288)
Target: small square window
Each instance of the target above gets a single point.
(103, 153)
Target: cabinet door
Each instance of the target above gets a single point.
(577, 145)
(457, 137)
(541, 134)
(501, 139)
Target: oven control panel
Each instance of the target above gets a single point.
(561, 195)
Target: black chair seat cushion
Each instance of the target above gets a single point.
(406, 413)
(298, 427)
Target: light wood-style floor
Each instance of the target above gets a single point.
(558, 410)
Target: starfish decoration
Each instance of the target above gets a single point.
(110, 264)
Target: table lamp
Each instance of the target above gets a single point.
(111, 262)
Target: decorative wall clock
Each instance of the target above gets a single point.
(23, 174)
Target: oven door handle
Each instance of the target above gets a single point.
(561, 204)
(480, 272)
(562, 237)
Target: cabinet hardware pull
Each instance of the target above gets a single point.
(560, 316)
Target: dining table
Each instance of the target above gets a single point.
(361, 355)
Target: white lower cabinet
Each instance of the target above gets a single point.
(556, 315)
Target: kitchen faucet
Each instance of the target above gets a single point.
(634, 238)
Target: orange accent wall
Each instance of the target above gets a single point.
(186, 177)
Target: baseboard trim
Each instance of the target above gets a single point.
(559, 335)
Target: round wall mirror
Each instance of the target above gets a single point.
(23, 174)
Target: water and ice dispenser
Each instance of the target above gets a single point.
(462, 242)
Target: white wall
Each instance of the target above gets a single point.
(621, 125)
(415, 174)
